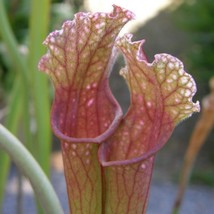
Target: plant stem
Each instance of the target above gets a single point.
(13, 115)
(39, 22)
(31, 170)
(37, 33)
(175, 211)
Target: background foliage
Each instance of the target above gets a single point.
(196, 18)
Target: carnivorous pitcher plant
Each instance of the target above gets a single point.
(108, 158)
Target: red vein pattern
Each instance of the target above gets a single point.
(161, 96)
(84, 112)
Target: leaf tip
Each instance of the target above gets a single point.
(117, 10)
(127, 47)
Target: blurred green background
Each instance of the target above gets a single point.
(184, 30)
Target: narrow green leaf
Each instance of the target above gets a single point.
(39, 22)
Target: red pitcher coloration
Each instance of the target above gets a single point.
(108, 158)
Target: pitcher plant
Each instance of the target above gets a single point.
(108, 158)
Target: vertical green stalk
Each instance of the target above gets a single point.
(4, 161)
(39, 22)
